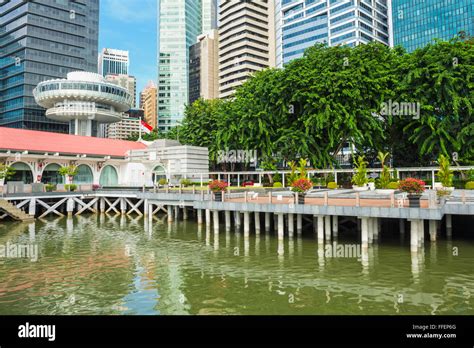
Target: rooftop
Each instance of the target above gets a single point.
(45, 142)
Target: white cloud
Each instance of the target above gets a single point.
(130, 11)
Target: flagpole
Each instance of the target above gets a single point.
(140, 130)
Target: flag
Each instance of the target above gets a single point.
(145, 127)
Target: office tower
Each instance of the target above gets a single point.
(417, 23)
(204, 67)
(148, 102)
(125, 81)
(113, 62)
(303, 23)
(179, 25)
(209, 15)
(42, 40)
(246, 41)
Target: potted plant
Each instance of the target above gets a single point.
(442, 196)
(6, 172)
(69, 171)
(50, 187)
(414, 188)
(360, 179)
(217, 187)
(301, 186)
(445, 174)
(383, 183)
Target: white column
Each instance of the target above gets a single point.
(208, 217)
(364, 226)
(327, 227)
(32, 207)
(370, 229)
(267, 222)
(375, 225)
(102, 205)
(299, 223)
(199, 216)
(216, 221)
(291, 225)
(320, 229)
(246, 223)
(227, 220)
(335, 226)
(169, 211)
(414, 235)
(421, 231)
(185, 213)
(145, 207)
(257, 222)
(70, 206)
(280, 227)
(150, 214)
(432, 230)
(237, 219)
(123, 206)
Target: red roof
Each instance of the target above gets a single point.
(34, 141)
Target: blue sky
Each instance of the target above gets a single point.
(131, 25)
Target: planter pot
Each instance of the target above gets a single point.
(218, 196)
(442, 200)
(414, 201)
(360, 188)
(385, 191)
(301, 197)
(371, 186)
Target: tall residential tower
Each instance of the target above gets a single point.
(246, 41)
(42, 40)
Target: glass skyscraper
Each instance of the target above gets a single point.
(113, 62)
(417, 23)
(209, 15)
(302, 23)
(179, 25)
(42, 40)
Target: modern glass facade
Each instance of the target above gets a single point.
(42, 40)
(417, 23)
(113, 62)
(179, 24)
(302, 23)
(209, 15)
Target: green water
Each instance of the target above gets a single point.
(105, 265)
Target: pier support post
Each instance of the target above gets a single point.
(208, 217)
(432, 230)
(227, 220)
(257, 222)
(327, 223)
(102, 205)
(237, 219)
(149, 207)
(370, 229)
(145, 208)
(320, 227)
(375, 228)
(176, 212)
(70, 207)
(281, 225)
(199, 216)
(123, 206)
(421, 231)
(335, 226)
(246, 224)
(291, 225)
(449, 226)
(364, 226)
(216, 221)
(185, 213)
(32, 207)
(267, 222)
(414, 239)
(169, 210)
(299, 223)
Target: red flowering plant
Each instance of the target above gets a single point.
(412, 186)
(301, 185)
(218, 186)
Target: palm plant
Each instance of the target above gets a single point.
(360, 177)
(445, 174)
(384, 180)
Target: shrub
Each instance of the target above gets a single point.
(332, 185)
(412, 186)
(70, 188)
(162, 181)
(445, 174)
(276, 177)
(50, 187)
(217, 186)
(301, 185)
(393, 185)
(470, 185)
(277, 185)
(186, 182)
(360, 176)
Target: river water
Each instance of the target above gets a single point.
(118, 265)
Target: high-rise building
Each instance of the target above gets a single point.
(179, 25)
(125, 81)
(303, 23)
(209, 15)
(113, 62)
(417, 23)
(148, 102)
(204, 67)
(42, 40)
(246, 41)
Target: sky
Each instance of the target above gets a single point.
(130, 25)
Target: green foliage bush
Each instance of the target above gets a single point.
(186, 182)
(50, 187)
(332, 185)
(393, 185)
(470, 185)
(162, 181)
(277, 184)
(70, 187)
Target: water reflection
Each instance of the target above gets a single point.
(106, 264)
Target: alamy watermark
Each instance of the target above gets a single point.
(237, 156)
(394, 108)
(19, 251)
(335, 250)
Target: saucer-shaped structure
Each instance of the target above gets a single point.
(84, 99)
